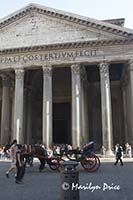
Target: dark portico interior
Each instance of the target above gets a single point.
(61, 78)
(62, 105)
(94, 103)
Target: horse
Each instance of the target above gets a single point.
(37, 151)
(34, 151)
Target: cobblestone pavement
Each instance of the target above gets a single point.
(46, 185)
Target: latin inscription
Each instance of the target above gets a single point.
(50, 56)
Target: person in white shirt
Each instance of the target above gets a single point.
(13, 151)
(126, 148)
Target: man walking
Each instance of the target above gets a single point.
(20, 164)
(119, 155)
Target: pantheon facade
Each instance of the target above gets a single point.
(65, 78)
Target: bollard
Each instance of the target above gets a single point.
(69, 176)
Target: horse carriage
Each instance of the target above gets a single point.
(36, 151)
(88, 160)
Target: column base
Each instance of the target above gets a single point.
(109, 153)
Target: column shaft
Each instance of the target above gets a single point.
(84, 107)
(29, 119)
(47, 106)
(130, 68)
(76, 106)
(18, 106)
(12, 112)
(106, 108)
(125, 113)
(6, 111)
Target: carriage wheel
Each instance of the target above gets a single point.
(61, 161)
(96, 166)
(90, 163)
(54, 164)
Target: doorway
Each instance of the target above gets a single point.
(61, 123)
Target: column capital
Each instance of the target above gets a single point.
(104, 67)
(130, 65)
(19, 73)
(6, 82)
(125, 77)
(75, 68)
(124, 81)
(83, 74)
(47, 70)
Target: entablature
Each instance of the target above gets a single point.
(59, 54)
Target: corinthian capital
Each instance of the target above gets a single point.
(47, 70)
(83, 74)
(104, 67)
(19, 73)
(130, 65)
(75, 69)
(6, 82)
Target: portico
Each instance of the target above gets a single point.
(71, 86)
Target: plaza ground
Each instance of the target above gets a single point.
(47, 185)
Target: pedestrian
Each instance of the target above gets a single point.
(116, 148)
(13, 150)
(127, 149)
(130, 151)
(20, 164)
(119, 155)
(103, 151)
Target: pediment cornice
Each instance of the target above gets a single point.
(118, 22)
(68, 46)
(88, 22)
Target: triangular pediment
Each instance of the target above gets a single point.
(38, 25)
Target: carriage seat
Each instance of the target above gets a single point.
(88, 147)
